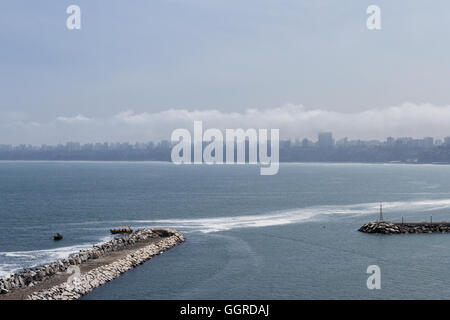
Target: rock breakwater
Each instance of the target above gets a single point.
(385, 227)
(151, 242)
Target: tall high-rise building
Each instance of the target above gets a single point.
(325, 140)
(428, 142)
(447, 141)
(390, 141)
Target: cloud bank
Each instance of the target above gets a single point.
(294, 121)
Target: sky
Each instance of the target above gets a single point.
(139, 69)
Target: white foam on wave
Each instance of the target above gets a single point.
(17, 260)
(207, 225)
(26, 259)
(6, 269)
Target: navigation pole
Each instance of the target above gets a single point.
(381, 212)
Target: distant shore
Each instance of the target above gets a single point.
(97, 266)
(170, 162)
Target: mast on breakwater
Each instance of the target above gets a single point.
(381, 213)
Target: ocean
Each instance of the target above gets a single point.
(289, 236)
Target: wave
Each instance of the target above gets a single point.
(18, 260)
(207, 225)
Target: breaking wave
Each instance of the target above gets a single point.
(11, 262)
(17, 260)
(207, 225)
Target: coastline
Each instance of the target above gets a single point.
(170, 162)
(96, 266)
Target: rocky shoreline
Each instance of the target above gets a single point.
(137, 248)
(385, 227)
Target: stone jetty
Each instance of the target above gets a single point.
(96, 266)
(385, 227)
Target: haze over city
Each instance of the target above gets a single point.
(294, 122)
(325, 148)
(135, 73)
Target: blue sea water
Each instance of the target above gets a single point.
(289, 236)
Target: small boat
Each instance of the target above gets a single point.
(121, 230)
(57, 237)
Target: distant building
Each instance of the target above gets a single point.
(325, 140)
(164, 144)
(285, 144)
(342, 142)
(306, 143)
(390, 141)
(404, 141)
(73, 146)
(372, 143)
(428, 142)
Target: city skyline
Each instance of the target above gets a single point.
(324, 149)
(324, 139)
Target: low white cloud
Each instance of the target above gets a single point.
(294, 121)
(77, 118)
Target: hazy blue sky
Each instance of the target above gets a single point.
(150, 56)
